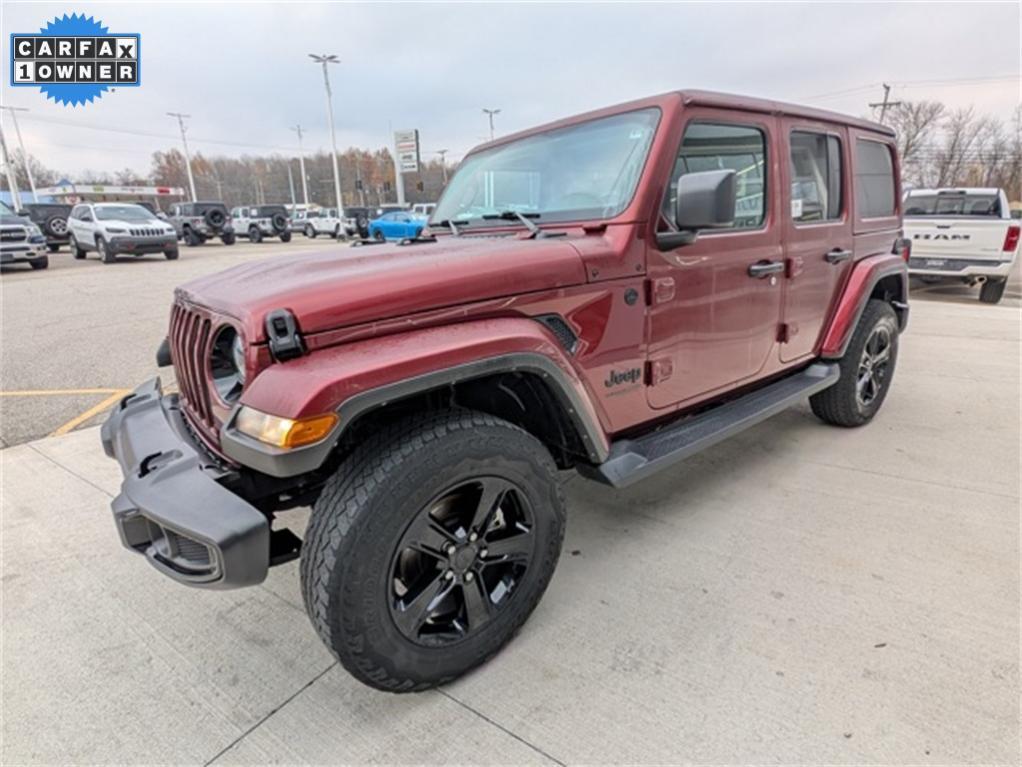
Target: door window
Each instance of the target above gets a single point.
(874, 179)
(713, 146)
(815, 177)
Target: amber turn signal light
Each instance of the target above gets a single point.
(284, 432)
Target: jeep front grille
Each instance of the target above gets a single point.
(144, 231)
(190, 339)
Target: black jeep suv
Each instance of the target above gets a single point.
(52, 219)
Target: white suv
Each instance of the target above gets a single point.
(259, 221)
(115, 228)
(323, 221)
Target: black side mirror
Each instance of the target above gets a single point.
(705, 200)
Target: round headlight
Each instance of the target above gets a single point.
(238, 356)
(227, 363)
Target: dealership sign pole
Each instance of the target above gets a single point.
(406, 159)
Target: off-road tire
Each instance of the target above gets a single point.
(255, 234)
(285, 237)
(310, 231)
(53, 247)
(171, 255)
(228, 239)
(362, 514)
(193, 238)
(838, 404)
(40, 263)
(76, 251)
(992, 291)
(103, 251)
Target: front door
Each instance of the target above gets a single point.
(715, 304)
(817, 231)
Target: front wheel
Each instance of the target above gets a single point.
(77, 251)
(867, 369)
(430, 547)
(192, 238)
(255, 234)
(992, 291)
(40, 262)
(310, 232)
(228, 239)
(171, 255)
(103, 250)
(285, 236)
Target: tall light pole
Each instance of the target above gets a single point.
(490, 113)
(24, 154)
(443, 162)
(188, 159)
(301, 162)
(329, 58)
(12, 181)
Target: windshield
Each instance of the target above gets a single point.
(584, 171)
(953, 205)
(123, 213)
(4, 210)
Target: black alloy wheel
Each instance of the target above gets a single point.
(873, 366)
(460, 560)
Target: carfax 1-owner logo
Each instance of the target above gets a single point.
(75, 59)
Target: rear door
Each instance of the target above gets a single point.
(817, 231)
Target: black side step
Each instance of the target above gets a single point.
(631, 460)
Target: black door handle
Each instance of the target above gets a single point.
(837, 255)
(762, 269)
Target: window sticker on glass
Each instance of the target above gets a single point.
(796, 209)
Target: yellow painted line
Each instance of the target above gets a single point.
(56, 392)
(92, 411)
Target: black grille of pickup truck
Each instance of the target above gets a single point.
(190, 340)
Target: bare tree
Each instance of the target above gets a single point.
(915, 124)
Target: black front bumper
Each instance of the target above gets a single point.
(130, 246)
(172, 507)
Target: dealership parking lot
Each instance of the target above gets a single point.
(800, 593)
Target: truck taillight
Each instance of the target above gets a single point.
(1011, 238)
(903, 248)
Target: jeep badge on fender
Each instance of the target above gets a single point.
(423, 396)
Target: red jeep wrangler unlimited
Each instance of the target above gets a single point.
(609, 293)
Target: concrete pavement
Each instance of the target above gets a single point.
(800, 594)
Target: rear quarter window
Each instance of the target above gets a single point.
(874, 179)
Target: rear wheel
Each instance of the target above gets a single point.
(53, 246)
(228, 238)
(866, 370)
(285, 236)
(310, 232)
(40, 263)
(254, 234)
(378, 236)
(430, 547)
(992, 291)
(77, 251)
(192, 238)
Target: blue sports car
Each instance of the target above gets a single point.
(396, 225)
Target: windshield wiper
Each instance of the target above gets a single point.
(452, 225)
(525, 218)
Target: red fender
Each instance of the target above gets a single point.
(345, 378)
(864, 277)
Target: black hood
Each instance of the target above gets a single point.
(8, 220)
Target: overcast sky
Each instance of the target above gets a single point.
(242, 71)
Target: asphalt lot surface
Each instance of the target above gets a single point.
(78, 335)
(798, 594)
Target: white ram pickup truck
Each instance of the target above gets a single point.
(962, 235)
